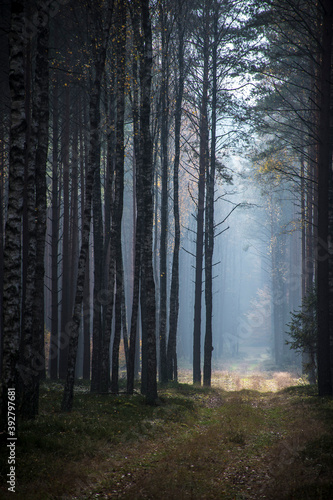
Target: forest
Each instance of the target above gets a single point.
(166, 221)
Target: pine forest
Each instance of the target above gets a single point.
(166, 249)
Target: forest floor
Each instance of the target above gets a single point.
(257, 437)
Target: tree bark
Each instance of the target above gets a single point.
(164, 195)
(119, 190)
(65, 287)
(137, 207)
(324, 174)
(209, 232)
(98, 271)
(147, 278)
(33, 334)
(203, 130)
(12, 249)
(86, 290)
(174, 290)
(54, 239)
(94, 162)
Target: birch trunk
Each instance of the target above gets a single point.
(94, 160)
(12, 249)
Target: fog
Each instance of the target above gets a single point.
(243, 303)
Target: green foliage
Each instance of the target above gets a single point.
(303, 330)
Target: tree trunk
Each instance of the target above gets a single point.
(109, 248)
(324, 165)
(209, 233)
(201, 205)
(54, 240)
(98, 271)
(86, 290)
(94, 161)
(174, 290)
(65, 295)
(12, 249)
(119, 189)
(42, 105)
(137, 212)
(147, 279)
(164, 195)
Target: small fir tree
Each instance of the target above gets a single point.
(303, 333)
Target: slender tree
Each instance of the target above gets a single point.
(203, 159)
(148, 305)
(181, 16)
(12, 249)
(209, 213)
(164, 196)
(137, 198)
(94, 116)
(119, 188)
(54, 238)
(324, 179)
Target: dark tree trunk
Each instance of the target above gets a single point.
(94, 162)
(209, 233)
(86, 290)
(137, 211)
(4, 143)
(42, 105)
(32, 342)
(27, 374)
(203, 131)
(109, 248)
(147, 279)
(65, 294)
(124, 315)
(119, 189)
(54, 240)
(324, 165)
(174, 290)
(74, 213)
(164, 195)
(12, 249)
(98, 272)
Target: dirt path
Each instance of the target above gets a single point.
(247, 445)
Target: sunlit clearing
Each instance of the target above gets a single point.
(259, 381)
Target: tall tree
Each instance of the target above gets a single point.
(324, 179)
(65, 283)
(203, 160)
(164, 196)
(148, 305)
(12, 249)
(55, 236)
(181, 16)
(32, 341)
(119, 188)
(209, 213)
(94, 162)
(137, 198)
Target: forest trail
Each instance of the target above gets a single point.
(195, 444)
(249, 446)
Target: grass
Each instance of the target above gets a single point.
(248, 437)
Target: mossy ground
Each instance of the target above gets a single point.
(245, 438)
